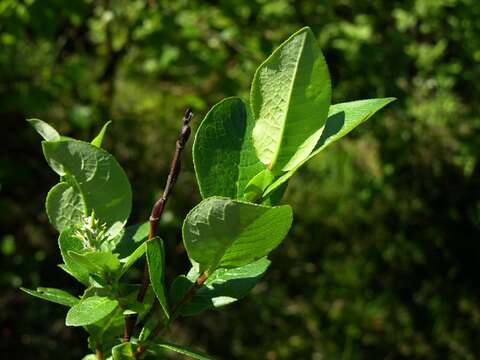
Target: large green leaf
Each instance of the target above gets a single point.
(123, 352)
(47, 131)
(181, 350)
(342, 119)
(225, 233)
(67, 243)
(54, 295)
(223, 287)
(223, 151)
(96, 176)
(90, 310)
(290, 96)
(156, 269)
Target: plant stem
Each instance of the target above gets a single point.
(98, 353)
(157, 211)
(160, 328)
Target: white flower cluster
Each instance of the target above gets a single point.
(92, 232)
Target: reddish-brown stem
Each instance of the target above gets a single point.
(157, 211)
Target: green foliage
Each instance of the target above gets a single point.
(156, 268)
(45, 130)
(54, 295)
(224, 233)
(290, 97)
(96, 177)
(223, 287)
(223, 151)
(342, 118)
(182, 350)
(243, 154)
(90, 310)
(123, 352)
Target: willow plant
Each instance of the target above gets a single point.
(244, 155)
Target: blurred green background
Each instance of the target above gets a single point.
(383, 259)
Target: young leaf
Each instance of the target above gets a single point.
(45, 130)
(67, 242)
(256, 186)
(220, 232)
(342, 119)
(99, 138)
(54, 295)
(223, 152)
(290, 96)
(131, 259)
(123, 352)
(96, 176)
(182, 350)
(223, 287)
(156, 269)
(90, 310)
(96, 262)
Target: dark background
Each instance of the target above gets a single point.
(382, 260)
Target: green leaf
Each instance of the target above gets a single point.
(69, 243)
(96, 176)
(99, 138)
(133, 236)
(123, 352)
(290, 96)
(64, 206)
(45, 130)
(224, 233)
(256, 186)
(54, 295)
(342, 119)
(223, 152)
(90, 310)
(182, 350)
(156, 269)
(131, 259)
(96, 262)
(223, 287)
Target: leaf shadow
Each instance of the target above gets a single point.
(332, 127)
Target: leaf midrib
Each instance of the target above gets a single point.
(279, 145)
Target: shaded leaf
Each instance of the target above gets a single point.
(131, 259)
(54, 295)
(182, 350)
(223, 152)
(224, 233)
(156, 269)
(223, 287)
(96, 176)
(69, 243)
(96, 262)
(123, 351)
(64, 206)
